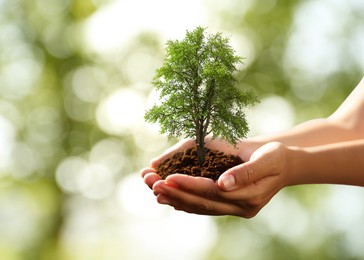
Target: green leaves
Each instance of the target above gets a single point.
(196, 82)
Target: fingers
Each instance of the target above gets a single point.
(200, 186)
(145, 171)
(150, 176)
(192, 203)
(184, 144)
(207, 188)
(202, 196)
(246, 202)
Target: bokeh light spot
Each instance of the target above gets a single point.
(141, 65)
(7, 141)
(120, 111)
(79, 176)
(110, 153)
(87, 83)
(67, 172)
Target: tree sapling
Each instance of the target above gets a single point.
(198, 93)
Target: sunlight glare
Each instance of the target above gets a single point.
(116, 23)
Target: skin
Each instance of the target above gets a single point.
(328, 150)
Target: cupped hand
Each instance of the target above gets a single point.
(244, 151)
(149, 174)
(241, 191)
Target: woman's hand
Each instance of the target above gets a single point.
(242, 190)
(242, 150)
(150, 176)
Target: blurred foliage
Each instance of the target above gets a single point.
(269, 27)
(61, 160)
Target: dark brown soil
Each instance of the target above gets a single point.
(186, 162)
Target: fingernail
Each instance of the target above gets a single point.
(164, 201)
(228, 181)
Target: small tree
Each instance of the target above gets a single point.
(197, 92)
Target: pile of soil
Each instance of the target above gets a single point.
(186, 162)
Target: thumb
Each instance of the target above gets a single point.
(241, 175)
(263, 162)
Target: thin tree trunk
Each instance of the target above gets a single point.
(203, 124)
(200, 144)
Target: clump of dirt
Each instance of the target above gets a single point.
(186, 162)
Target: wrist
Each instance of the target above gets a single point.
(295, 158)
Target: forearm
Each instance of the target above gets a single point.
(340, 163)
(312, 133)
(345, 124)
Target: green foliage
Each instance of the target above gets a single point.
(197, 90)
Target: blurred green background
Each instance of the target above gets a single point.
(74, 84)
